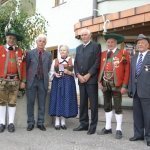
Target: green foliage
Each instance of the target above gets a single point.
(28, 27)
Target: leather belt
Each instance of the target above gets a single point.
(10, 77)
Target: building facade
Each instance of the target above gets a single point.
(127, 17)
(61, 16)
(68, 17)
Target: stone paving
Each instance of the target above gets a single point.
(70, 140)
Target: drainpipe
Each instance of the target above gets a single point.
(94, 7)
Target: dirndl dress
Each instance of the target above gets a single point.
(63, 97)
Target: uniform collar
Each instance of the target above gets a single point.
(113, 50)
(7, 46)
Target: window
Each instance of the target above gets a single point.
(100, 1)
(58, 2)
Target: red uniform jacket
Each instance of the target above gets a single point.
(121, 67)
(18, 63)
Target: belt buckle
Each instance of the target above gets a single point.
(11, 77)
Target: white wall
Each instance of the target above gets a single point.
(62, 19)
(112, 6)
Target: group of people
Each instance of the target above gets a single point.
(113, 71)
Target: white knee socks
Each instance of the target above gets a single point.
(108, 116)
(11, 114)
(119, 121)
(2, 114)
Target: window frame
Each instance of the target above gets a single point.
(59, 2)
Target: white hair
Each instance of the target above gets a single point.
(64, 47)
(85, 30)
(41, 36)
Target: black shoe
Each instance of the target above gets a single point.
(104, 131)
(148, 143)
(136, 139)
(91, 131)
(41, 127)
(118, 134)
(80, 128)
(64, 127)
(57, 127)
(2, 128)
(11, 127)
(30, 127)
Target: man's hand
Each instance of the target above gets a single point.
(123, 90)
(81, 78)
(100, 86)
(22, 85)
(87, 77)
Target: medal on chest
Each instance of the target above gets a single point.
(3, 55)
(19, 61)
(116, 62)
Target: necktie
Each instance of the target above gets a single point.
(10, 48)
(40, 67)
(109, 54)
(138, 65)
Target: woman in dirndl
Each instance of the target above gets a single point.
(63, 97)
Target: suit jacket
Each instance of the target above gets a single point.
(87, 61)
(32, 64)
(142, 83)
(121, 72)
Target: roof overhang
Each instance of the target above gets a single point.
(129, 22)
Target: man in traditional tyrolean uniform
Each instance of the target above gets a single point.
(113, 80)
(12, 77)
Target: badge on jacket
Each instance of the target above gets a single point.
(147, 67)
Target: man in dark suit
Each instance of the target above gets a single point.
(38, 66)
(139, 89)
(86, 69)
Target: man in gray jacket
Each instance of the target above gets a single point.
(38, 65)
(139, 89)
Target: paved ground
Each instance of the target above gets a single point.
(69, 140)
